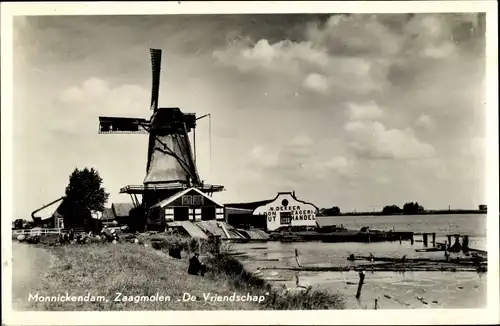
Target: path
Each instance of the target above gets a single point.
(29, 265)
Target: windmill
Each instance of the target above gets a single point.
(171, 165)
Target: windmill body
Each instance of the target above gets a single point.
(171, 166)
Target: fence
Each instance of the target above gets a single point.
(36, 231)
(40, 231)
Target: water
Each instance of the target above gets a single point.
(392, 289)
(471, 224)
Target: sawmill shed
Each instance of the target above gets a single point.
(187, 205)
(283, 210)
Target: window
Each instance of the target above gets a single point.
(285, 218)
(197, 200)
(187, 200)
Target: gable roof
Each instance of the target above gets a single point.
(170, 199)
(69, 207)
(121, 209)
(107, 214)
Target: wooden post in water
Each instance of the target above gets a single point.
(434, 239)
(457, 245)
(424, 235)
(297, 257)
(400, 239)
(376, 304)
(360, 284)
(446, 250)
(411, 239)
(465, 243)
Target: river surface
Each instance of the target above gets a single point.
(392, 289)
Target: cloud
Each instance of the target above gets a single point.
(355, 53)
(475, 148)
(285, 57)
(316, 83)
(340, 166)
(311, 62)
(299, 161)
(301, 141)
(425, 121)
(260, 158)
(371, 140)
(366, 33)
(364, 111)
(80, 105)
(435, 36)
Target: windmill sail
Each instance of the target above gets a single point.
(120, 125)
(156, 66)
(155, 89)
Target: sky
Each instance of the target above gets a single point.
(356, 111)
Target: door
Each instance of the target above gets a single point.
(207, 213)
(181, 213)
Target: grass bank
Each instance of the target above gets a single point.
(132, 270)
(139, 272)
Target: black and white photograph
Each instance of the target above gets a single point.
(240, 161)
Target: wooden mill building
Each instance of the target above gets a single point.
(188, 205)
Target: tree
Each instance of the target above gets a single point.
(18, 224)
(85, 188)
(331, 211)
(392, 209)
(412, 208)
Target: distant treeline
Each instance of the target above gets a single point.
(425, 212)
(411, 208)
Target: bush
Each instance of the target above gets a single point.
(49, 239)
(234, 269)
(164, 241)
(33, 239)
